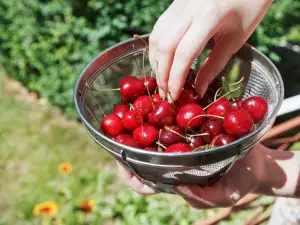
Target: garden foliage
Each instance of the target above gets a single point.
(45, 44)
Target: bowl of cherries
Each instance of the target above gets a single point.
(192, 140)
(144, 120)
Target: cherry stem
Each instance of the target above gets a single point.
(161, 145)
(155, 91)
(217, 92)
(173, 131)
(136, 36)
(170, 94)
(99, 106)
(151, 74)
(198, 135)
(238, 82)
(222, 97)
(200, 148)
(131, 106)
(187, 126)
(112, 89)
(225, 84)
(93, 115)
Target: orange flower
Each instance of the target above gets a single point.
(46, 209)
(65, 167)
(87, 206)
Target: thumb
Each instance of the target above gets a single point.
(216, 61)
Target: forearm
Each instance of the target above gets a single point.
(281, 176)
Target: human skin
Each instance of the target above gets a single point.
(172, 48)
(262, 171)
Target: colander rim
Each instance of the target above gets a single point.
(185, 154)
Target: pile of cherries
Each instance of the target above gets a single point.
(144, 120)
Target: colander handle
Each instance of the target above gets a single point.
(123, 158)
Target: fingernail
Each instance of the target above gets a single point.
(162, 94)
(170, 99)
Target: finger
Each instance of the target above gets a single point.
(188, 49)
(159, 25)
(133, 182)
(194, 198)
(161, 63)
(165, 52)
(204, 197)
(220, 55)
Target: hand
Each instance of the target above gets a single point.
(183, 30)
(244, 177)
(134, 182)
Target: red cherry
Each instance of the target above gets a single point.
(131, 88)
(132, 119)
(187, 96)
(257, 107)
(149, 82)
(196, 142)
(207, 99)
(179, 147)
(237, 103)
(169, 136)
(150, 149)
(112, 125)
(219, 108)
(163, 115)
(190, 80)
(126, 139)
(119, 110)
(222, 139)
(212, 128)
(238, 122)
(145, 135)
(156, 99)
(143, 104)
(187, 116)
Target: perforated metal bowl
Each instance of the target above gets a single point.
(160, 170)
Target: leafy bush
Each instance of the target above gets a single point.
(281, 23)
(45, 44)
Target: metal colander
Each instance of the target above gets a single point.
(160, 170)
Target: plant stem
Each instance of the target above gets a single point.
(238, 82)
(136, 36)
(217, 92)
(197, 135)
(112, 89)
(161, 145)
(173, 131)
(222, 97)
(187, 126)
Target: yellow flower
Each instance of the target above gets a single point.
(65, 167)
(87, 206)
(47, 208)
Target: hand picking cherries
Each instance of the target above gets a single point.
(145, 121)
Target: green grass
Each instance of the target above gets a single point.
(35, 138)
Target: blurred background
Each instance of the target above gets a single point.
(48, 164)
